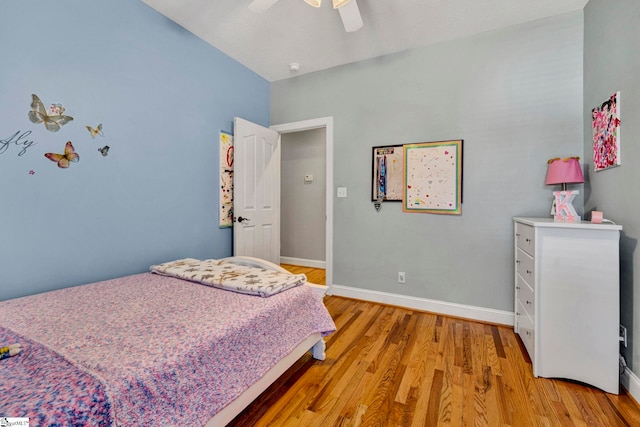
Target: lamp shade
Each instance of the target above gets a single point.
(564, 171)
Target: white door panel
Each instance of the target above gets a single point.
(256, 202)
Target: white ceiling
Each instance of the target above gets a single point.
(292, 31)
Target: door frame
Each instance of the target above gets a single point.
(327, 123)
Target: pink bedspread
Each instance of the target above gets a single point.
(145, 349)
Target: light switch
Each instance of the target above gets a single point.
(308, 178)
(342, 191)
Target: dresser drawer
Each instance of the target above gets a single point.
(526, 297)
(525, 237)
(526, 331)
(525, 266)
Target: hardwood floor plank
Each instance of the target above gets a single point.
(314, 275)
(390, 366)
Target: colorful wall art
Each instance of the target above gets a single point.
(387, 173)
(606, 133)
(433, 177)
(53, 119)
(226, 179)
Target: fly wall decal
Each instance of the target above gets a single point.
(59, 150)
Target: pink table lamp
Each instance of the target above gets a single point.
(564, 171)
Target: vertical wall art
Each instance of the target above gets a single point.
(433, 177)
(387, 173)
(606, 133)
(226, 179)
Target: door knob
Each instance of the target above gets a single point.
(241, 219)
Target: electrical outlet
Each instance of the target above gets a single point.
(623, 335)
(401, 277)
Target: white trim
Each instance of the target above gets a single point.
(303, 262)
(631, 382)
(327, 123)
(481, 314)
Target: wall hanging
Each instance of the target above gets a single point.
(386, 182)
(606, 133)
(433, 177)
(226, 179)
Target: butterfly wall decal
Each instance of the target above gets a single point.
(65, 159)
(53, 119)
(104, 150)
(95, 131)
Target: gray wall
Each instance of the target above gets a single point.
(303, 204)
(514, 96)
(612, 63)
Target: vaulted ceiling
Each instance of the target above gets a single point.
(291, 31)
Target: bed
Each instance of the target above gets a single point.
(157, 348)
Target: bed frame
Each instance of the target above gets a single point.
(314, 342)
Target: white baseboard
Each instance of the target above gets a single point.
(631, 382)
(303, 262)
(481, 314)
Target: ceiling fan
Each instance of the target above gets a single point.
(348, 9)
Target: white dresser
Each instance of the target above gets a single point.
(567, 299)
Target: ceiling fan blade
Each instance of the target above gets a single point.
(259, 6)
(350, 15)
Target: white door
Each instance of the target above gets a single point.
(256, 201)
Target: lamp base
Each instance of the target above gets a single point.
(564, 210)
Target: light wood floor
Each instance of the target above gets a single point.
(388, 366)
(314, 275)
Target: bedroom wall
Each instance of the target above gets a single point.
(513, 95)
(162, 96)
(611, 64)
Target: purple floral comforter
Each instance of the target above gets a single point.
(145, 349)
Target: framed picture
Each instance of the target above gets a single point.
(433, 177)
(387, 173)
(606, 133)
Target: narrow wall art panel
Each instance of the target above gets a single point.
(606, 133)
(387, 173)
(226, 179)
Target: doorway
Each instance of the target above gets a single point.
(298, 132)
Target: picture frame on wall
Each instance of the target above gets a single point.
(606, 133)
(433, 177)
(387, 173)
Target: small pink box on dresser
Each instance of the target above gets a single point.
(596, 217)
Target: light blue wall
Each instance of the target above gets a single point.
(162, 96)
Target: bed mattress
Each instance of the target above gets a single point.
(145, 349)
